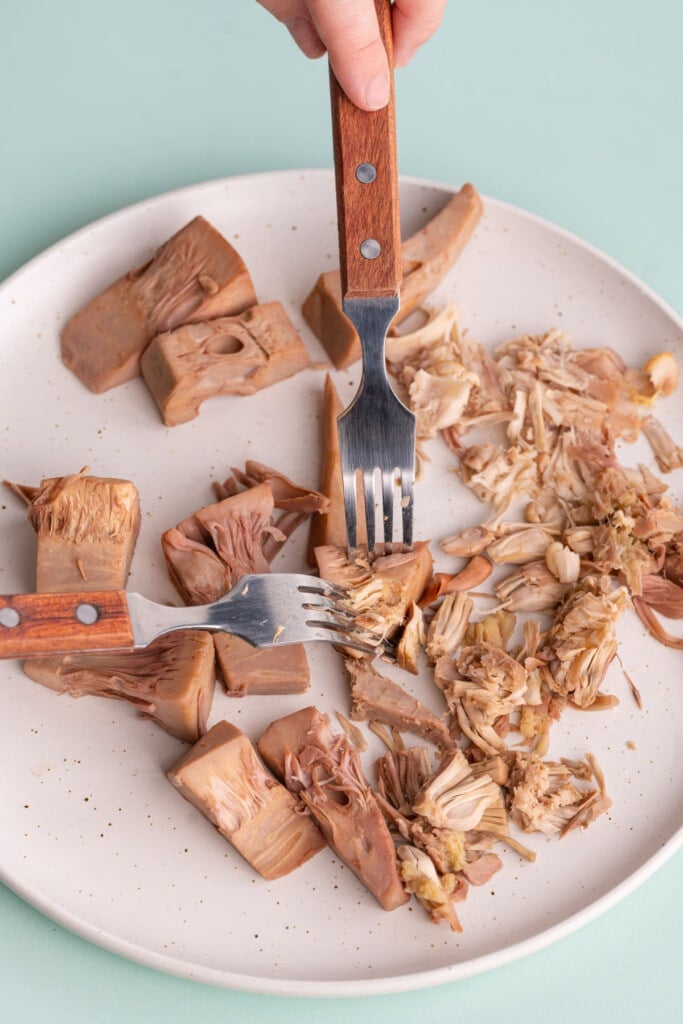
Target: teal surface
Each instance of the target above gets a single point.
(572, 111)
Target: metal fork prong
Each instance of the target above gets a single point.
(407, 496)
(330, 622)
(332, 610)
(351, 511)
(323, 588)
(321, 631)
(370, 507)
(330, 599)
(388, 507)
(327, 622)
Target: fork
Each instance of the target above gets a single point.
(267, 610)
(376, 432)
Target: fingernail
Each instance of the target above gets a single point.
(377, 92)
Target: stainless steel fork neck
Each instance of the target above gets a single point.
(263, 609)
(371, 318)
(376, 433)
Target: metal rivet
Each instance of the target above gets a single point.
(9, 617)
(370, 248)
(87, 614)
(366, 173)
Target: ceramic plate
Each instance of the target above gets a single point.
(93, 834)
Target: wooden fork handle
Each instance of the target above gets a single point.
(37, 624)
(367, 211)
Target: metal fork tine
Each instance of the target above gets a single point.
(327, 599)
(388, 507)
(321, 631)
(350, 511)
(323, 589)
(332, 611)
(327, 619)
(370, 502)
(407, 509)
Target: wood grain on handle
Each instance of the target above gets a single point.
(367, 210)
(48, 623)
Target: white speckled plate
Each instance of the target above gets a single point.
(92, 833)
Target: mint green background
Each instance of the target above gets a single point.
(571, 110)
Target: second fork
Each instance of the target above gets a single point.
(376, 432)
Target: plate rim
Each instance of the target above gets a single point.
(328, 172)
(387, 984)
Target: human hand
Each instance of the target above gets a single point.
(347, 30)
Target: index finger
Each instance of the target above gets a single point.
(413, 23)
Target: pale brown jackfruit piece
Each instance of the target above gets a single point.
(381, 591)
(376, 698)
(668, 454)
(171, 681)
(582, 641)
(236, 355)
(246, 669)
(296, 502)
(206, 555)
(211, 549)
(330, 528)
(420, 877)
(224, 777)
(455, 798)
(544, 795)
(401, 775)
(324, 769)
(86, 528)
(195, 275)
